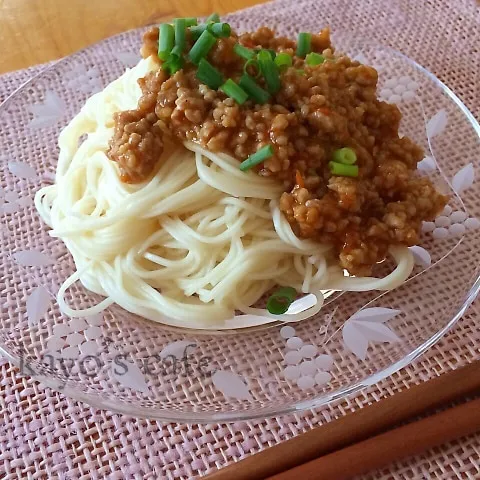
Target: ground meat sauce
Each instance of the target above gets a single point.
(317, 110)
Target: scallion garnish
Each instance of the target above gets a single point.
(258, 157)
(201, 47)
(180, 30)
(214, 18)
(269, 71)
(197, 30)
(173, 64)
(313, 59)
(177, 51)
(190, 21)
(250, 65)
(221, 30)
(243, 52)
(234, 91)
(283, 60)
(166, 36)
(272, 53)
(280, 301)
(304, 44)
(255, 92)
(342, 170)
(209, 75)
(346, 155)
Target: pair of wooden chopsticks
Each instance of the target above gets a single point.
(370, 437)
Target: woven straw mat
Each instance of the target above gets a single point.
(44, 435)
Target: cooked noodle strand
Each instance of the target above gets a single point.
(197, 242)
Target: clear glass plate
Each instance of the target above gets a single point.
(127, 364)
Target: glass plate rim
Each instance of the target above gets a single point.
(200, 417)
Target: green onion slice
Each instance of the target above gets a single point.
(166, 35)
(177, 51)
(258, 157)
(209, 75)
(255, 92)
(243, 52)
(190, 21)
(269, 71)
(197, 30)
(234, 91)
(173, 64)
(214, 18)
(272, 53)
(346, 155)
(180, 34)
(314, 59)
(304, 44)
(252, 65)
(280, 301)
(221, 30)
(342, 170)
(217, 28)
(283, 60)
(201, 47)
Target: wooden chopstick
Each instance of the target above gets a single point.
(357, 426)
(388, 447)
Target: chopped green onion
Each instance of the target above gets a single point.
(343, 170)
(197, 30)
(231, 89)
(280, 301)
(283, 60)
(314, 59)
(243, 52)
(252, 64)
(346, 155)
(214, 17)
(180, 29)
(300, 71)
(220, 29)
(166, 35)
(177, 51)
(258, 157)
(269, 71)
(271, 51)
(173, 64)
(255, 92)
(190, 21)
(303, 44)
(209, 75)
(201, 47)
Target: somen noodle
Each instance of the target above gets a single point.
(196, 242)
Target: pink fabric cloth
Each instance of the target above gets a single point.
(46, 435)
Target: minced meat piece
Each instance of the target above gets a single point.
(317, 110)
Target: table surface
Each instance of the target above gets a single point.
(36, 31)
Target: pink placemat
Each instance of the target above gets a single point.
(44, 435)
